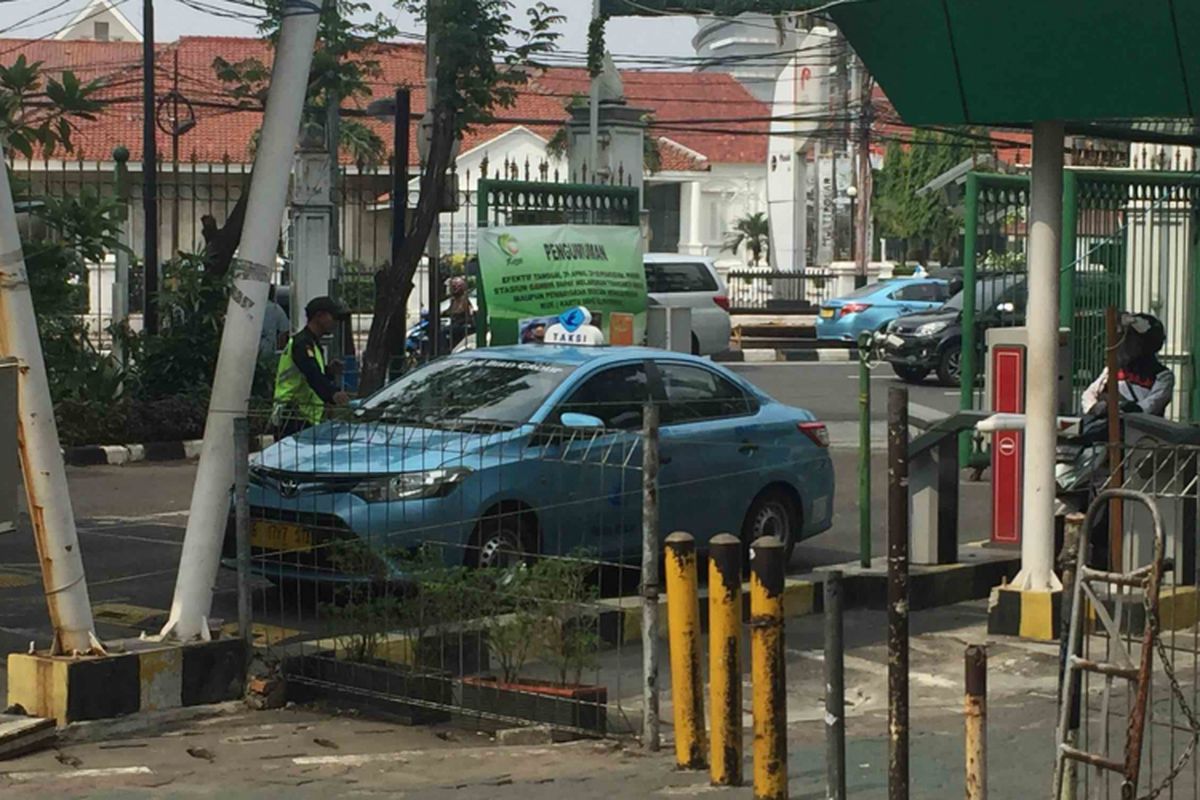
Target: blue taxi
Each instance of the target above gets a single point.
(504, 453)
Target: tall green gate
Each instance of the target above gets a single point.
(1129, 240)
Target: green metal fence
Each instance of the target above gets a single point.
(1128, 241)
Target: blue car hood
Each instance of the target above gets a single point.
(377, 448)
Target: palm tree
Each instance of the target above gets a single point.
(753, 230)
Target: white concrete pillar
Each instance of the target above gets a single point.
(1041, 364)
(799, 211)
(310, 215)
(690, 240)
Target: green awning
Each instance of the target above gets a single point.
(990, 63)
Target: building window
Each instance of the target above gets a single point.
(100, 31)
(662, 201)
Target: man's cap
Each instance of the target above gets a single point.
(323, 303)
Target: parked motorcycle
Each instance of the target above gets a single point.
(416, 343)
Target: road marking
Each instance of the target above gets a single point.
(106, 772)
(126, 537)
(118, 520)
(351, 760)
(15, 580)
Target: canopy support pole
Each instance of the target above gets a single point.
(1041, 363)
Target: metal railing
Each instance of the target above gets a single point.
(1165, 472)
(779, 291)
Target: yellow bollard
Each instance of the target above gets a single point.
(683, 628)
(725, 658)
(766, 667)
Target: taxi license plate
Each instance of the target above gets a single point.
(280, 536)
(826, 313)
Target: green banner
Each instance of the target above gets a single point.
(533, 273)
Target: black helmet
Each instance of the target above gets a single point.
(1143, 336)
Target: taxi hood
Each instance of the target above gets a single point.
(365, 448)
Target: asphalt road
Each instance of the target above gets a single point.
(830, 389)
(131, 522)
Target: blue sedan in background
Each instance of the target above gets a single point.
(873, 306)
(504, 453)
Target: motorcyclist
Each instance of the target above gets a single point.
(461, 311)
(1144, 384)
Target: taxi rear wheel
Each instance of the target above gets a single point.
(775, 512)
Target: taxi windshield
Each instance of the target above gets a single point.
(504, 392)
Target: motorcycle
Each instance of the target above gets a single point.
(417, 346)
(1080, 466)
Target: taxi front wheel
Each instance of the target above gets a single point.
(502, 540)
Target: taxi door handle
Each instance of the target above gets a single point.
(748, 448)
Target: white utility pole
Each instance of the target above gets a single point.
(1041, 361)
(49, 500)
(236, 360)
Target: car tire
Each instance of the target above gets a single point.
(775, 512)
(503, 539)
(949, 365)
(695, 345)
(909, 374)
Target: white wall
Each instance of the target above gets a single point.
(726, 193)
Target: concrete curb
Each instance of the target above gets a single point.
(758, 355)
(119, 454)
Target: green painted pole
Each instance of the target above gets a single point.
(1066, 286)
(1194, 344)
(967, 372)
(864, 450)
(481, 222)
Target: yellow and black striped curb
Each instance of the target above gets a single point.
(148, 677)
(1027, 614)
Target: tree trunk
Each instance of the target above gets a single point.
(221, 243)
(394, 283)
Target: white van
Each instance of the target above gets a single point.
(682, 281)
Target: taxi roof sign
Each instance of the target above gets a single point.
(574, 327)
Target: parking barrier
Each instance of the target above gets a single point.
(683, 629)
(725, 658)
(767, 668)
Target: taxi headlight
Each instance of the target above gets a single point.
(411, 485)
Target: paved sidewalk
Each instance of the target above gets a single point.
(310, 752)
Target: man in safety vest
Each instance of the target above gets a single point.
(303, 385)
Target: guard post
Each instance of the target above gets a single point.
(767, 668)
(725, 658)
(683, 631)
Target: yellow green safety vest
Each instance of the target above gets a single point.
(292, 391)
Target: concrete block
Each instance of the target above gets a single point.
(135, 676)
(530, 736)
(1026, 614)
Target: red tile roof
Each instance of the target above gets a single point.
(674, 99)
